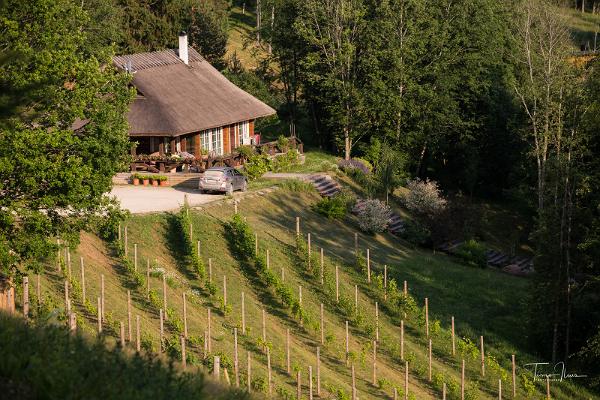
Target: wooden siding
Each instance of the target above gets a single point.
(251, 128)
(226, 143)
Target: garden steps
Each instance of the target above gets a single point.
(515, 265)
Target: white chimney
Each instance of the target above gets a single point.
(183, 47)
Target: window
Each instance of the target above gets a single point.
(243, 133)
(212, 140)
(205, 140)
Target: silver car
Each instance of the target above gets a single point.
(222, 179)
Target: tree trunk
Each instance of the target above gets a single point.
(347, 144)
(258, 16)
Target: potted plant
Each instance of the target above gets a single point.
(155, 181)
(135, 178)
(145, 179)
(162, 180)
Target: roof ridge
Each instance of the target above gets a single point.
(154, 59)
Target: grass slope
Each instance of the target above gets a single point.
(484, 302)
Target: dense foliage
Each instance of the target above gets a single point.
(48, 361)
(52, 177)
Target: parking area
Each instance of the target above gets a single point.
(145, 199)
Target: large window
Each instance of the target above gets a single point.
(243, 133)
(212, 140)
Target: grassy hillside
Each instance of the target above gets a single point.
(484, 302)
(585, 27)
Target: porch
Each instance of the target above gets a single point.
(145, 158)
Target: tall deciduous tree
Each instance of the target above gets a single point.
(54, 167)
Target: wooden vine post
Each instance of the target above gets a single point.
(208, 341)
(99, 315)
(269, 377)
(355, 244)
(308, 251)
(243, 314)
(337, 285)
(453, 338)
(300, 302)
(67, 299)
(185, 325)
(129, 329)
(322, 267)
(165, 296)
(385, 282)
(268, 260)
(297, 226)
(225, 290)
(426, 317)
(310, 386)
(102, 295)
(198, 248)
(322, 327)
(444, 391)
(122, 332)
(299, 385)
(402, 339)
(374, 362)
(355, 299)
(318, 371)
(26, 297)
(369, 265)
(183, 356)
(482, 351)
(514, 377)
(249, 373)
(287, 351)
(264, 328)
(137, 333)
(217, 368)
(83, 293)
(135, 257)
(210, 269)
(347, 344)
(354, 396)
(38, 290)
(162, 330)
(406, 380)
(125, 244)
(499, 389)
(376, 321)
(462, 381)
(548, 388)
(429, 372)
(148, 278)
(236, 361)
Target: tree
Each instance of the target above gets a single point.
(333, 28)
(390, 170)
(53, 177)
(208, 31)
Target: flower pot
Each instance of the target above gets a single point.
(136, 182)
(154, 182)
(146, 182)
(164, 183)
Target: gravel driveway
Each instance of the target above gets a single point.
(144, 199)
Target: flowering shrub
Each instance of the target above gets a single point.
(355, 163)
(373, 216)
(424, 198)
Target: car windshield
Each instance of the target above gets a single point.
(213, 174)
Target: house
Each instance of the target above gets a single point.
(184, 105)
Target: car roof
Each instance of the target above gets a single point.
(220, 168)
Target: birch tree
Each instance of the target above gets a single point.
(333, 28)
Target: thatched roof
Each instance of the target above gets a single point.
(175, 98)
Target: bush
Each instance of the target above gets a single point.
(331, 207)
(424, 198)
(283, 143)
(374, 216)
(416, 233)
(296, 185)
(355, 164)
(472, 253)
(284, 162)
(246, 151)
(257, 165)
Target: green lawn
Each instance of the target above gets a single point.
(484, 302)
